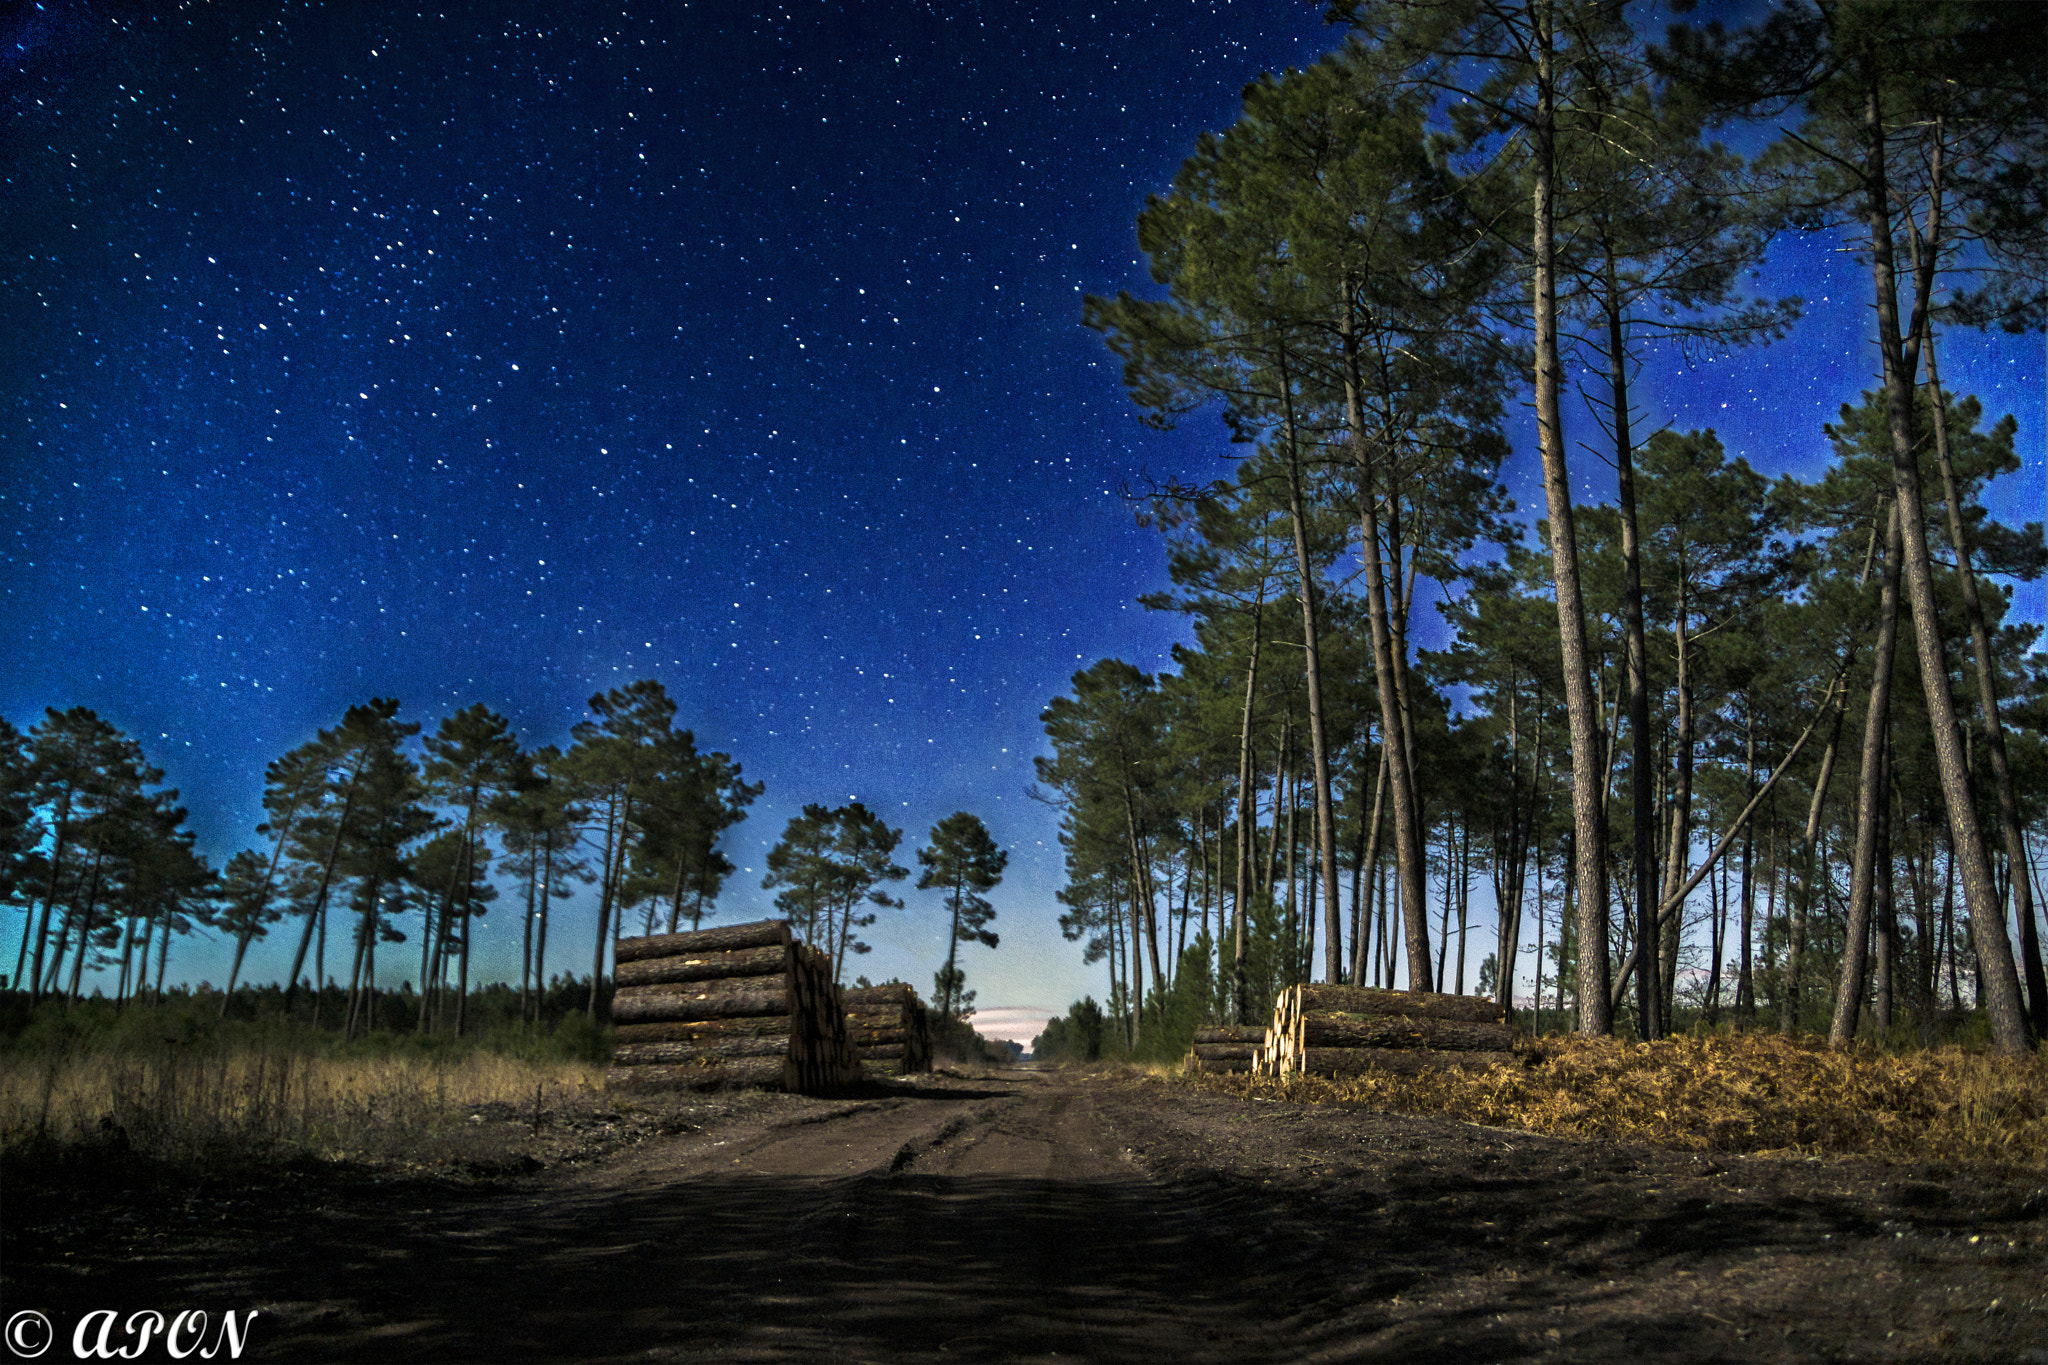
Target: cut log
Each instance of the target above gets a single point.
(741, 1004)
(1231, 1033)
(888, 1017)
(876, 1019)
(649, 971)
(695, 1030)
(725, 938)
(1365, 1000)
(1351, 1061)
(1226, 1052)
(1396, 1031)
(886, 1052)
(738, 1072)
(860, 998)
(697, 1054)
(728, 999)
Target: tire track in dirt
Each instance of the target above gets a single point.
(1039, 1217)
(1018, 1233)
(993, 1224)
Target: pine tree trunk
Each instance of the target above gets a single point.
(1326, 821)
(432, 917)
(1884, 917)
(320, 966)
(1772, 874)
(1365, 853)
(1141, 849)
(946, 1006)
(1139, 915)
(1806, 888)
(1465, 893)
(1541, 927)
(1589, 821)
(163, 958)
(1290, 934)
(526, 936)
(462, 974)
(1393, 731)
(540, 938)
(604, 907)
(1679, 851)
(1521, 818)
(2001, 997)
(314, 916)
(90, 902)
(1745, 994)
(234, 972)
(1871, 796)
(1642, 756)
(355, 978)
(1987, 707)
(62, 821)
(1443, 932)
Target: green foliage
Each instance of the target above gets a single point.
(1082, 1035)
(829, 863)
(1324, 260)
(950, 998)
(104, 874)
(1173, 1015)
(963, 861)
(255, 1018)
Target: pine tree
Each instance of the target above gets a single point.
(962, 861)
(246, 908)
(828, 865)
(345, 756)
(540, 819)
(609, 768)
(81, 770)
(472, 762)
(1911, 109)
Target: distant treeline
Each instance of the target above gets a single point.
(553, 1023)
(396, 845)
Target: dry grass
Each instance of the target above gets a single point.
(1753, 1094)
(220, 1108)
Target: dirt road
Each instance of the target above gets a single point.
(1040, 1217)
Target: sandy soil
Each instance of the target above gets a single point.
(1024, 1216)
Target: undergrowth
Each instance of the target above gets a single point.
(1751, 1094)
(190, 1095)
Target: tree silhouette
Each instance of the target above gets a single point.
(962, 861)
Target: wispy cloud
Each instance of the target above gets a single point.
(1017, 1023)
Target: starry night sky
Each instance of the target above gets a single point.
(513, 352)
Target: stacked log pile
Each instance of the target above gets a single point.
(1226, 1048)
(1343, 1030)
(742, 1004)
(890, 1029)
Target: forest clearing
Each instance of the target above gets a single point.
(489, 1206)
(1560, 865)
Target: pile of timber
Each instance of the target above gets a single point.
(740, 1005)
(1228, 1047)
(1344, 1030)
(890, 1029)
